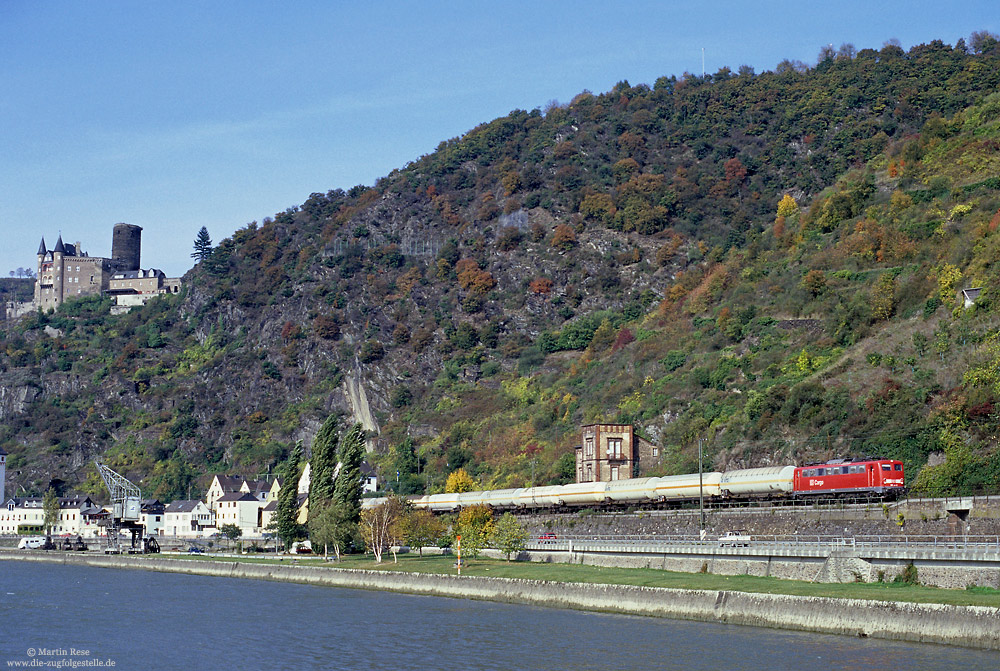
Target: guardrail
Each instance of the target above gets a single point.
(883, 542)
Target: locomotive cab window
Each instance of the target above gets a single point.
(897, 467)
(886, 467)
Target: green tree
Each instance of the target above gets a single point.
(329, 528)
(508, 535)
(348, 486)
(323, 463)
(475, 525)
(50, 510)
(285, 521)
(202, 245)
(420, 527)
(231, 532)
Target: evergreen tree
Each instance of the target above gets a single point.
(323, 463)
(285, 521)
(202, 245)
(347, 488)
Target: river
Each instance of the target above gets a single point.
(86, 617)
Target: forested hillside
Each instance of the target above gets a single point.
(768, 262)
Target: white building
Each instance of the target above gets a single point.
(242, 509)
(189, 519)
(78, 516)
(152, 516)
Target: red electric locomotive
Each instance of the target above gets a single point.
(850, 476)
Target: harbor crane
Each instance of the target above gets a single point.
(126, 502)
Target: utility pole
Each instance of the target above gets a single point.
(701, 490)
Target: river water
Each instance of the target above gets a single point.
(79, 616)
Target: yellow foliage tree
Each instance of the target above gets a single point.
(883, 299)
(459, 481)
(948, 278)
(787, 206)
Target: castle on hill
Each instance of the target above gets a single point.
(66, 271)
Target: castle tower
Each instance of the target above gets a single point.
(58, 254)
(126, 244)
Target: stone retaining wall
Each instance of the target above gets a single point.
(969, 626)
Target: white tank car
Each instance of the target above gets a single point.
(498, 498)
(633, 490)
(442, 503)
(686, 486)
(757, 481)
(538, 497)
(582, 493)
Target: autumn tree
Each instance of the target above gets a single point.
(472, 278)
(459, 481)
(599, 207)
(787, 207)
(883, 297)
(475, 525)
(563, 237)
(814, 282)
(541, 286)
(420, 527)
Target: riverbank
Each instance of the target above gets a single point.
(969, 626)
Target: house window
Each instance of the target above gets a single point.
(588, 447)
(614, 472)
(615, 448)
(656, 451)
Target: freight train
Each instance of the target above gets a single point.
(869, 476)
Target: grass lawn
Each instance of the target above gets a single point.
(496, 568)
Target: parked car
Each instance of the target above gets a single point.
(31, 543)
(547, 538)
(195, 550)
(735, 539)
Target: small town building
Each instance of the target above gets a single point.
(242, 509)
(151, 515)
(78, 516)
(189, 519)
(612, 452)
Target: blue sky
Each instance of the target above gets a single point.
(176, 115)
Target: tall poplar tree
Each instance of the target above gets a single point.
(285, 520)
(323, 463)
(347, 488)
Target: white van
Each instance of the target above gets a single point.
(31, 543)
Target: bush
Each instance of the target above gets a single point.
(371, 350)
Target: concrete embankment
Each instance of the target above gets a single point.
(970, 626)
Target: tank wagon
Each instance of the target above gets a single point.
(838, 477)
